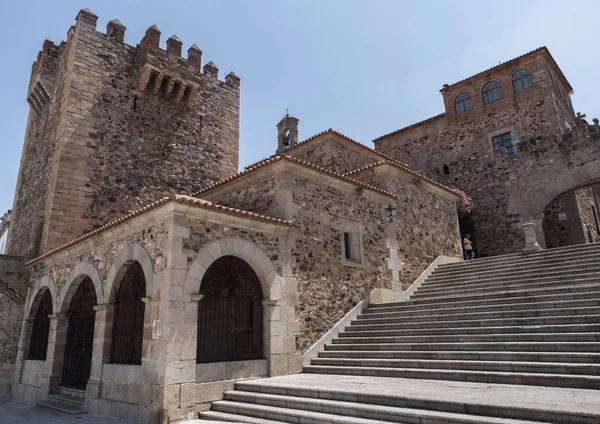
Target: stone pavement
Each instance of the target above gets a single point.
(12, 412)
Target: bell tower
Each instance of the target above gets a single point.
(287, 133)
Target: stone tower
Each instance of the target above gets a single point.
(287, 133)
(112, 126)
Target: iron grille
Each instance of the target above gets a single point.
(80, 337)
(38, 345)
(230, 313)
(128, 324)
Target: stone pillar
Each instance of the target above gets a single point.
(101, 348)
(178, 314)
(531, 244)
(56, 352)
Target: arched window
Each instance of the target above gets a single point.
(38, 345)
(128, 324)
(463, 102)
(491, 92)
(521, 80)
(229, 313)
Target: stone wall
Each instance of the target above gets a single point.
(11, 315)
(116, 131)
(508, 190)
(334, 153)
(562, 221)
(324, 207)
(431, 152)
(588, 211)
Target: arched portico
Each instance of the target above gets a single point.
(279, 296)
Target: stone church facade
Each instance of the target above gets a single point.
(146, 275)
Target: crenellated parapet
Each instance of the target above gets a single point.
(167, 73)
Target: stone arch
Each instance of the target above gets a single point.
(81, 271)
(243, 249)
(585, 175)
(44, 283)
(132, 253)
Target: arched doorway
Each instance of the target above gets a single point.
(572, 218)
(38, 343)
(80, 337)
(128, 324)
(230, 313)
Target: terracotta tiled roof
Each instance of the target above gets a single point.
(416, 124)
(268, 161)
(176, 198)
(539, 49)
(328, 131)
(403, 167)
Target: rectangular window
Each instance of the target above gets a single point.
(504, 141)
(352, 251)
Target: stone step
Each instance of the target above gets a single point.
(474, 346)
(517, 311)
(548, 265)
(542, 286)
(535, 379)
(559, 254)
(216, 416)
(505, 281)
(478, 365)
(572, 328)
(61, 407)
(580, 358)
(502, 322)
(67, 399)
(439, 278)
(287, 415)
(516, 402)
(572, 287)
(77, 393)
(511, 303)
(471, 338)
(396, 414)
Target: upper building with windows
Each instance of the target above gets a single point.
(502, 138)
(523, 98)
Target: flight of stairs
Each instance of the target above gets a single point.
(528, 320)
(68, 401)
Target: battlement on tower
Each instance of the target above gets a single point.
(162, 71)
(117, 125)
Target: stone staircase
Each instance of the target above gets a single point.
(511, 339)
(68, 401)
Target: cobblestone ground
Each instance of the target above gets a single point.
(12, 412)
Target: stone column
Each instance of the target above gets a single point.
(101, 348)
(56, 352)
(531, 244)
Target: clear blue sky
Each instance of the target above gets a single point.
(364, 68)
